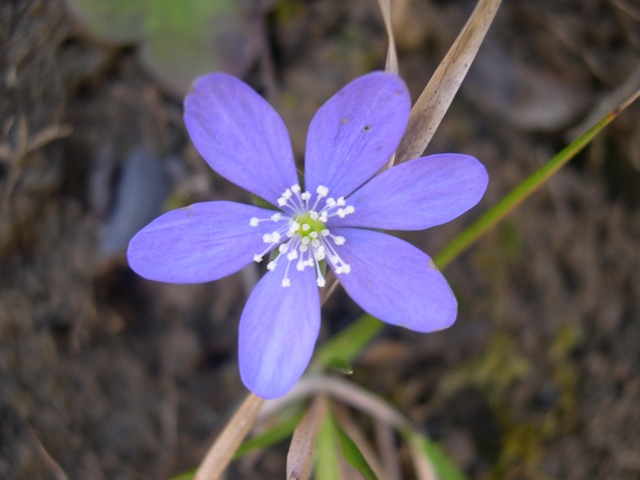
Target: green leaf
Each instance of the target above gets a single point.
(188, 475)
(327, 466)
(338, 364)
(180, 39)
(118, 21)
(445, 469)
(183, 38)
(275, 434)
(352, 453)
(348, 344)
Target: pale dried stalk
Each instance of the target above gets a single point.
(327, 292)
(421, 464)
(392, 57)
(222, 451)
(388, 451)
(303, 442)
(434, 102)
(344, 391)
(359, 438)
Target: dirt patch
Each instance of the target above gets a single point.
(105, 375)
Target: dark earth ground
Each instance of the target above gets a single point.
(104, 375)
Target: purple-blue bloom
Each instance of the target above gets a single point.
(332, 217)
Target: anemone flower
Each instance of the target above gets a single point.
(332, 218)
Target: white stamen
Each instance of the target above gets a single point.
(319, 278)
(322, 192)
(273, 237)
(302, 237)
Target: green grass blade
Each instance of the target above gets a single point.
(188, 475)
(352, 453)
(327, 466)
(444, 468)
(348, 344)
(521, 192)
(275, 434)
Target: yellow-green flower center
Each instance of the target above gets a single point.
(302, 236)
(309, 227)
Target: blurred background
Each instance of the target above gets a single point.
(104, 375)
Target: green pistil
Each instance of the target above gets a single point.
(308, 226)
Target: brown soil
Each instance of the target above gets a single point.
(104, 375)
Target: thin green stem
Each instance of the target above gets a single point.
(521, 192)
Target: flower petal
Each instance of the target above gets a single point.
(356, 132)
(278, 331)
(418, 194)
(395, 282)
(199, 243)
(240, 135)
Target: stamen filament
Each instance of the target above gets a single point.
(303, 236)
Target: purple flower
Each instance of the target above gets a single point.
(333, 218)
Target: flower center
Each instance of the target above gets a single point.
(302, 236)
(309, 228)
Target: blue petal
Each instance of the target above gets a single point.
(240, 135)
(395, 282)
(355, 133)
(418, 194)
(199, 243)
(278, 331)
